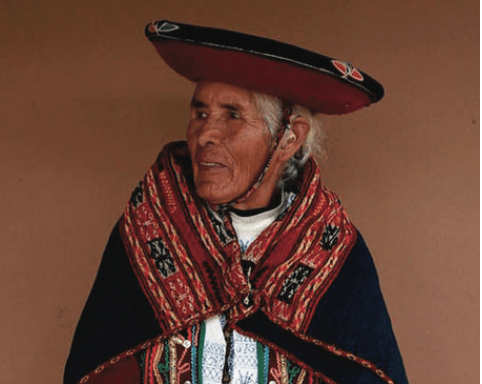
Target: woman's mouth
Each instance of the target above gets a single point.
(210, 165)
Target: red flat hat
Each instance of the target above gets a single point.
(291, 73)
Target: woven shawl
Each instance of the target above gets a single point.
(306, 287)
(190, 265)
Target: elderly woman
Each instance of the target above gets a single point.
(232, 263)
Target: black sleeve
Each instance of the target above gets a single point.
(116, 317)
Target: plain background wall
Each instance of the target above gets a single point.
(86, 104)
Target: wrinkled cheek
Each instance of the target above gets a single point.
(251, 170)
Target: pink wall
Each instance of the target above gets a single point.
(86, 104)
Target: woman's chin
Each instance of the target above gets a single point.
(214, 195)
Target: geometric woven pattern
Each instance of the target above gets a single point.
(190, 265)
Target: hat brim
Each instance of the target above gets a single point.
(291, 73)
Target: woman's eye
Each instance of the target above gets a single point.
(201, 114)
(234, 115)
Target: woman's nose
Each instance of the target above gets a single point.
(211, 131)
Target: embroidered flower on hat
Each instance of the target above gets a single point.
(163, 28)
(347, 70)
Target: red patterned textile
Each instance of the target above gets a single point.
(306, 288)
(191, 267)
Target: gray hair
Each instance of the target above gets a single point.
(271, 108)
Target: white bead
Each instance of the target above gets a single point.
(186, 344)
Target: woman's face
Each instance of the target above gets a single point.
(228, 141)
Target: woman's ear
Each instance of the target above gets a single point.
(294, 138)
